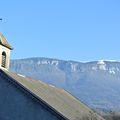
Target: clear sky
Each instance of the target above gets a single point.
(80, 30)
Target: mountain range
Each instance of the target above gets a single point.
(95, 83)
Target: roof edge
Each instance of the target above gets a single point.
(4, 42)
(49, 108)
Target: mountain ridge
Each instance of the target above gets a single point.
(96, 83)
(107, 60)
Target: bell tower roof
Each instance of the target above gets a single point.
(4, 42)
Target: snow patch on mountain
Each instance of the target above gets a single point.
(101, 62)
(112, 72)
(73, 67)
(102, 65)
(43, 62)
(55, 62)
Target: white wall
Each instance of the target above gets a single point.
(7, 51)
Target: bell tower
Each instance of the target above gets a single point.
(5, 49)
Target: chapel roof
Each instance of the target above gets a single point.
(4, 42)
(57, 99)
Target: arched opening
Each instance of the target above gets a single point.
(3, 59)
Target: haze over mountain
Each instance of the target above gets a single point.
(95, 83)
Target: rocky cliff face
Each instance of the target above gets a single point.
(95, 83)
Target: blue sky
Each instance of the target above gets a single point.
(81, 30)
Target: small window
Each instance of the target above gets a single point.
(3, 59)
